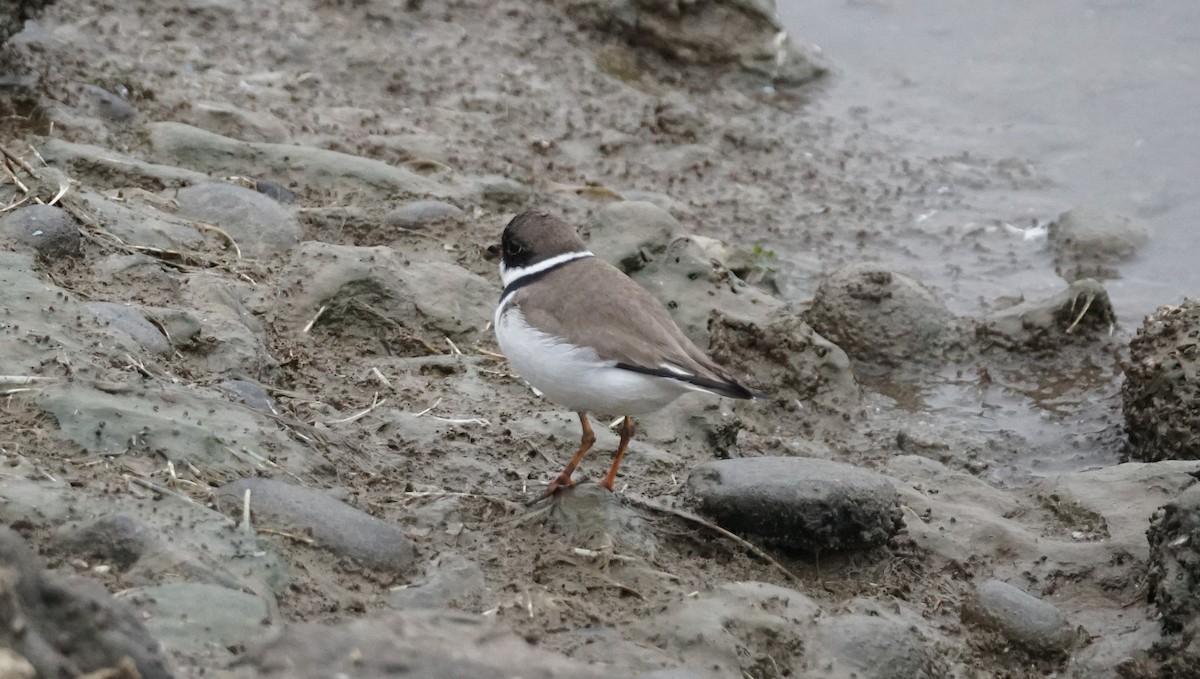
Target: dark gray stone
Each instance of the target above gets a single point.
(49, 230)
(801, 503)
(261, 226)
(334, 525)
(880, 316)
(413, 644)
(1024, 619)
(132, 323)
(115, 539)
(421, 213)
(1174, 537)
(65, 628)
(869, 646)
(106, 105)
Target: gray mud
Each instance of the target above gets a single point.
(257, 399)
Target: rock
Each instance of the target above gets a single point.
(879, 316)
(230, 121)
(274, 191)
(196, 618)
(136, 221)
(800, 503)
(692, 284)
(14, 13)
(307, 166)
(1078, 314)
(448, 579)
(1161, 393)
(595, 518)
(104, 104)
(419, 214)
(133, 324)
(252, 395)
(236, 340)
(370, 290)
(500, 189)
(49, 230)
(628, 234)
(179, 423)
(1086, 242)
(261, 226)
(744, 32)
(1026, 620)
(788, 357)
(421, 644)
(1174, 537)
(872, 645)
(333, 525)
(118, 540)
(721, 632)
(64, 628)
(119, 166)
(180, 327)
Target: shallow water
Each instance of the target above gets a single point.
(1101, 96)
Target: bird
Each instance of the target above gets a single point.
(589, 338)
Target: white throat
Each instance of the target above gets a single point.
(509, 276)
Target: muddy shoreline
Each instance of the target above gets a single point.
(250, 388)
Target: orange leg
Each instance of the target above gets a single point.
(626, 434)
(563, 480)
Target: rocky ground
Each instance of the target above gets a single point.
(254, 422)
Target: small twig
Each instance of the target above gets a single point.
(430, 408)
(221, 232)
(454, 347)
(314, 319)
(375, 403)
(62, 191)
(283, 534)
(468, 420)
(23, 380)
(491, 354)
(382, 380)
(246, 527)
(688, 516)
(150, 485)
(19, 161)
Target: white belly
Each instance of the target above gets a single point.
(575, 377)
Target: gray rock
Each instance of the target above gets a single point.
(595, 518)
(419, 214)
(1174, 537)
(50, 230)
(628, 234)
(180, 327)
(500, 189)
(118, 540)
(1026, 620)
(117, 165)
(880, 316)
(334, 525)
(261, 226)
(744, 32)
(867, 646)
(198, 618)
(133, 324)
(104, 104)
(448, 579)
(228, 120)
(65, 628)
(186, 424)
(418, 644)
(252, 395)
(305, 165)
(1161, 393)
(13, 15)
(1086, 242)
(801, 503)
(711, 632)
(369, 289)
(1081, 313)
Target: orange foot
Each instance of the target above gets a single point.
(560, 483)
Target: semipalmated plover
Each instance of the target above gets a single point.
(589, 338)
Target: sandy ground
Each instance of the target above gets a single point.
(320, 319)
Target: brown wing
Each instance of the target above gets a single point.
(631, 328)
